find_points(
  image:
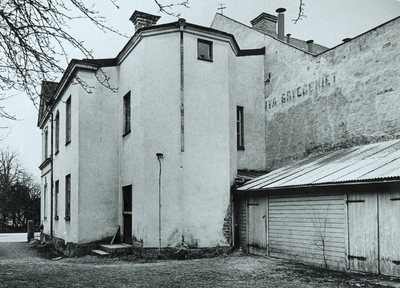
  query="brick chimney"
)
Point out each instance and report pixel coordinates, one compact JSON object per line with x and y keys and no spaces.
{"x":141,"y":19}
{"x":265,"y":23}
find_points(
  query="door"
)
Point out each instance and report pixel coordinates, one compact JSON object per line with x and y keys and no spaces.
{"x":258,"y":219}
{"x":127,"y":213}
{"x":363,"y":231}
{"x":389,"y":232}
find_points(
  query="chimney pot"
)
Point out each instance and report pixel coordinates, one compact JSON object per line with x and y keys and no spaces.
{"x":281,"y":23}
{"x":288,"y":38}
{"x":141,"y":19}
{"x":310,"y":46}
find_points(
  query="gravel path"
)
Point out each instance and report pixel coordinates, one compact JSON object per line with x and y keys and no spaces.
{"x":27,"y":265}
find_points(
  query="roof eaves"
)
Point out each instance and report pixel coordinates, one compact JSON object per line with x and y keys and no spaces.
{"x":73,"y":67}
{"x":325,"y":184}
{"x":140,"y":33}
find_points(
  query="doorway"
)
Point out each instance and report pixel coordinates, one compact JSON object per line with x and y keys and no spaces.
{"x":127,"y":213}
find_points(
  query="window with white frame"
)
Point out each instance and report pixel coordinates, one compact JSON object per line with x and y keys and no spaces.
{"x":204,"y":50}
{"x":68,"y":122}
{"x":57,"y":144}
{"x":127,"y":113}
{"x":56,"y":191}
{"x":68,"y":197}
{"x":240,"y":127}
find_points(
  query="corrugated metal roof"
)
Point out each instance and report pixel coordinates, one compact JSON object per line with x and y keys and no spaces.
{"x":249,"y":174}
{"x":368,"y":162}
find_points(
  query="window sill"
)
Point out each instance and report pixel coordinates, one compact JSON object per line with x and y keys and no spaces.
{"x":56,"y":152}
{"x":126,"y":133}
{"x":56,"y":218}
{"x":203,"y":59}
{"x":67,"y":218}
{"x":66,"y":144}
{"x":241,"y":148}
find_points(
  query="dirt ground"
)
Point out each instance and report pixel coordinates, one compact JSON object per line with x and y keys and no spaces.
{"x":30,"y":265}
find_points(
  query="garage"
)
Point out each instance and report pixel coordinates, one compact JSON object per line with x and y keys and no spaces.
{"x":339,"y":210}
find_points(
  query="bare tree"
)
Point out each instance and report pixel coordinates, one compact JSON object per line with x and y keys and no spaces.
{"x":320,"y":222}
{"x":33,"y":38}
{"x":19,"y":193}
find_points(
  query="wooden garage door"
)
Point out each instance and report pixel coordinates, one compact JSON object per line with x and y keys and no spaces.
{"x":363,"y":233}
{"x":389,"y":233}
{"x":308,"y":227}
{"x":257,"y":225}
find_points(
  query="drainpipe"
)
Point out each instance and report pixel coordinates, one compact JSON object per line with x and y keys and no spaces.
{"x":51,"y":177}
{"x":159,"y":157}
{"x":182,"y":23}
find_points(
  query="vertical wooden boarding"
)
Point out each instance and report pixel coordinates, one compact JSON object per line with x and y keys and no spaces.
{"x":308,"y":227}
{"x":241,"y":223}
{"x":389,"y":232}
{"x":257,"y":227}
{"x":363,"y":232}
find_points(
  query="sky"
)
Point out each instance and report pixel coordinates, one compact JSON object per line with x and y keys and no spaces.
{"x":327,"y":23}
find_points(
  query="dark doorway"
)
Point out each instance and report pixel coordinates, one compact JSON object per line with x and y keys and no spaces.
{"x":127,"y":213}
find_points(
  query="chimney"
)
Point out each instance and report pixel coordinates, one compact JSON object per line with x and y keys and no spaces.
{"x":281,"y":23}
{"x":265,"y":23}
{"x":288,"y":38}
{"x":141,"y":19}
{"x":310,"y":46}
{"x":346,"y":40}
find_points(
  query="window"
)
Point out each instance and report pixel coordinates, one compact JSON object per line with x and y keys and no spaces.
{"x":45,"y":199}
{"x":239,"y":128}
{"x":57,"y":131}
{"x":46,"y":143}
{"x":68,"y":197}
{"x":127,"y":113}
{"x":204,"y":50}
{"x":57,"y":189}
{"x":68,"y":122}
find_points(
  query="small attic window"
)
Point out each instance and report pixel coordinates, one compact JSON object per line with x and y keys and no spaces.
{"x":204,"y":50}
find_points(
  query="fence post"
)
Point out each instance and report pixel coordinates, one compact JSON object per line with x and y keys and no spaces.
{"x":31,"y":232}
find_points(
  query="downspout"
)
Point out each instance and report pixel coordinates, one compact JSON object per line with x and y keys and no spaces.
{"x":182,"y":22}
{"x":159,"y":157}
{"x":52,"y":176}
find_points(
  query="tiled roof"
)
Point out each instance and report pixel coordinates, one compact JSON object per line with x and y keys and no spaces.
{"x":379,"y":161}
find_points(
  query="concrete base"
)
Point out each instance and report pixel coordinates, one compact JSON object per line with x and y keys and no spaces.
{"x":116,"y":248}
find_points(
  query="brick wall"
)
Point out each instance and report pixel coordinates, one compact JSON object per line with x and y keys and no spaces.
{"x":347,"y":96}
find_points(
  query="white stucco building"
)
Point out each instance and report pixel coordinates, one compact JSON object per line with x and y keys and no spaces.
{"x":156,"y":157}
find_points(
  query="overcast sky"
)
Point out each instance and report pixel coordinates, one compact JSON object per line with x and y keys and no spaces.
{"x":327,"y":23}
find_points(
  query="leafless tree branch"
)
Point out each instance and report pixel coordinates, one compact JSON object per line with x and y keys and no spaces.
{"x":33,"y":37}
{"x":163,"y":7}
{"x":301,"y":14}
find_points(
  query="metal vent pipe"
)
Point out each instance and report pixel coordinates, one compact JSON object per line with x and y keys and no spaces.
{"x":281,"y":23}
